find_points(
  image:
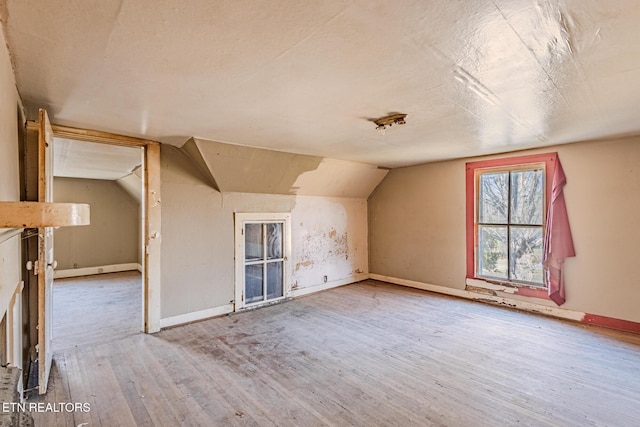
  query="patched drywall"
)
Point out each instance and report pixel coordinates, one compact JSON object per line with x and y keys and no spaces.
{"x":329,"y":237}
{"x":233,"y":168}
{"x":112,"y":238}
{"x":417,"y":225}
{"x":339,"y":178}
{"x":10,"y":116}
{"x":241,"y":169}
{"x":192,"y":149}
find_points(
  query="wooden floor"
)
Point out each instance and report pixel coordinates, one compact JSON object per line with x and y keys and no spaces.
{"x":95,"y":309}
{"x":368,"y":354}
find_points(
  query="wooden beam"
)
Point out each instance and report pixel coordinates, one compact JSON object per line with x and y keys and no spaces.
{"x":152,"y":238}
{"x":89,"y":135}
{"x":36,"y":214}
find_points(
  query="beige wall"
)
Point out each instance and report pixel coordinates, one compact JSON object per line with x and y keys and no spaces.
{"x":114,"y":234}
{"x":132,"y":185}
{"x":329,"y":237}
{"x":10,"y":250}
{"x":417,"y":225}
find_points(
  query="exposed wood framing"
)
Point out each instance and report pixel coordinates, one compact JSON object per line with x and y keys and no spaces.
{"x":151,"y":207}
{"x":152,"y":238}
{"x":35,"y":214}
{"x":97,"y":136}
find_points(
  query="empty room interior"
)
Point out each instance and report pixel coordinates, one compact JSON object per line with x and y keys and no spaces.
{"x":320,"y":213}
{"x":98,"y":287}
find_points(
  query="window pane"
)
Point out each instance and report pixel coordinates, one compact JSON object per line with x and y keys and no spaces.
{"x":253,"y":283}
{"x":252,"y":242}
{"x":527,"y":191}
{"x":526,"y":254}
{"x":274,"y":240}
{"x":493,"y":200}
{"x":492,"y":248}
{"x":274,"y":280}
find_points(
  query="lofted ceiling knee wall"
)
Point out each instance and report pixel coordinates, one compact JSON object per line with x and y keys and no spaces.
{"x":241,"y":169}
{"x":205,"y":183}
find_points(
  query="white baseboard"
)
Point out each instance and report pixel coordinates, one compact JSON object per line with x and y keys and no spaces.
{"x":487,"y":298}
{"x":521,"y":305}
{"x":324,"y":286}
{"x":226,"y":309}
{"x":89,"y":271}
{"x":195,"y":316}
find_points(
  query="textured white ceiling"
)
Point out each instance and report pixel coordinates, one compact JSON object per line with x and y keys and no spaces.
{"x":77,"y":159}
{"x":474,"y":77}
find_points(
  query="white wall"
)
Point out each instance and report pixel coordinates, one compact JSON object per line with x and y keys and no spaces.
{"x":417,"y":225}
{"x":329,"y":237}
{"x":10,"y":105}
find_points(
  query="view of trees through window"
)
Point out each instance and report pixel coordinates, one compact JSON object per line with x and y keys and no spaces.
{"x":510,"y":219}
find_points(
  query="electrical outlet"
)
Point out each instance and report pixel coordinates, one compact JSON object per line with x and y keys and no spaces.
{"x":324,"y":279}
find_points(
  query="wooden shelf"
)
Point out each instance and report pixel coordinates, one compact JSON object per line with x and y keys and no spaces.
{"x":35,"y":214}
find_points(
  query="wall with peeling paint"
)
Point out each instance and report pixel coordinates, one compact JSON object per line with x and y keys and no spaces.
{"x":417,"y":225}
{"x":329,"y":237}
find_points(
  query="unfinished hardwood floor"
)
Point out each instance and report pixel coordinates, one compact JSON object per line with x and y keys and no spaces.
{"x":95,"y":309}
{"x":368,"y":354}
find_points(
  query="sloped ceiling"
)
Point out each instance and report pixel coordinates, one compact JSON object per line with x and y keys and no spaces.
{"x":474,"y":77}
{"x":132,"y":185}
{"x":78,"y":159}
{"x":234,"y":168}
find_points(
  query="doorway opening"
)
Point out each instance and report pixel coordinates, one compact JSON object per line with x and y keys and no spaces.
{"x":97,"y":290}
{"x":38,"y":178}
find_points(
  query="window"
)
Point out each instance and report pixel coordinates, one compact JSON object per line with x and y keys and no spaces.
{"x":506,"y":209}
{"x":263,"y":261}
{"x":509,"y":210}
{"x":262,"y":250}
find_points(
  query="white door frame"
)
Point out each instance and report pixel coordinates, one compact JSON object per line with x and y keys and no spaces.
{"x":240,"y":219}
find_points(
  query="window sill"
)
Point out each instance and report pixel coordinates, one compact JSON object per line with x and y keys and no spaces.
{"x":485,"y":286}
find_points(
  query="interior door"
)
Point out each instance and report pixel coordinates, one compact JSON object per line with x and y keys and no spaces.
{"x":46,"y":262}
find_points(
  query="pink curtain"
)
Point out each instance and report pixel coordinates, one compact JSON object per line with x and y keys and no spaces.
{"x":558,"y":243}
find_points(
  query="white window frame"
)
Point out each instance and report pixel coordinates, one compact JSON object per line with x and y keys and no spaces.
{"x":242,"y":218}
